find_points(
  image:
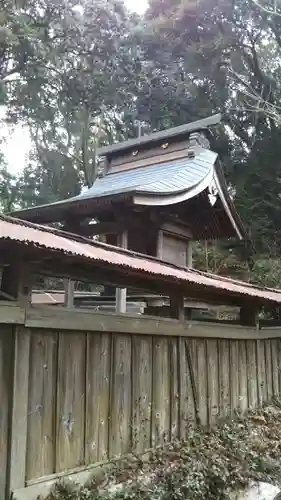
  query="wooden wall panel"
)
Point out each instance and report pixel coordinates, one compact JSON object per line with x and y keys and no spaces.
{"x":6,"y":387}
{"x":268,"y":370}
{"x":41,"y":433}
{"x":174,"y":370}
{"x":251,"y":355}
{"x":97,"y":397}
{"x":202,"y":390}
{"x":279,"y":363}
{"x":243,"y":377}
{"x":120,"y":417}
{"x":160,"y":392}
{"x":187,"y":415}
{"x":224,"y":378}
{"x":71,"y":401}
{"x":213,"y":381}
{"x":142,"y":392}
{"x":274,"y":358}
{"x":262,"y":390}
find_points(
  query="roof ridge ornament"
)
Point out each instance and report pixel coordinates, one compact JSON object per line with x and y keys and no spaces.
{"x":199,"y":139}
{"x":213,"y":192}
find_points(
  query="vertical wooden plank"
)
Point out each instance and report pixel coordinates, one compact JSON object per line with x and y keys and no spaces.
{"x":234,"y":375}
{"x":161,"y":392}
{"x":121,"y":293}
{"x":120,"y":404}
{"x":279,"y":362}
{"x":243,"y":385}
{"x":213,"y":381}
{"x":202,"y":381}
{"x":70,"y":401}
{"x":42,"y":405}
{"x":187,"y":415}
{"x":274,"y":357}
{"x":20,"y":409}
{"x":97,"y":396}
{"x":69,"y":286}
{"x":262,"y":393}
{"x":251,"y":355}
{"x":6,"y":384}
{"x":268,"y":370}
{"x":224,"y":378}
{"x":174,"y":387}
{"x":142,"y":392}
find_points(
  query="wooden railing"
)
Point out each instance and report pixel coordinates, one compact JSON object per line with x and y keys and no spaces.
{"x":80,"y":388}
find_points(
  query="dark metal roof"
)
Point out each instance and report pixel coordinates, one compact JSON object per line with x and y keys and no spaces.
{"x":164,"y":178}
{"x":190,"y":280}
{"x":160,"y":136}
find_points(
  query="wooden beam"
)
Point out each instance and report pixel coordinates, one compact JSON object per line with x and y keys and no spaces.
{"x":121,"y":293}
{"x":56,"y":318}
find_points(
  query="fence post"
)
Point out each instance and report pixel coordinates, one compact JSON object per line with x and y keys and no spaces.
{"x":17,"y":460}
{"x":17,"y":282}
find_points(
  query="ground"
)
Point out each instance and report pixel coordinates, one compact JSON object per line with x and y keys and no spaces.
{"x":209,"y":465}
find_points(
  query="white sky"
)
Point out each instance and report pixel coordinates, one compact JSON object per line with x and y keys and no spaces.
{"x":17,"y":142}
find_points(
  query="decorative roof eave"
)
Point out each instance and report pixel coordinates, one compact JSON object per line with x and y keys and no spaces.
{"x":54,"y":212}
{"x":155,"y":199}
{"x":155,"y":137}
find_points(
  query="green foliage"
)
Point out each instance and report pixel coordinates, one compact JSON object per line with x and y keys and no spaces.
{"x":210,"y":465}
{"x":77,"y":83}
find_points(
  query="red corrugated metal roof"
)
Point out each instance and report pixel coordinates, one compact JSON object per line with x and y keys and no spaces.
{"x":48,"y":238}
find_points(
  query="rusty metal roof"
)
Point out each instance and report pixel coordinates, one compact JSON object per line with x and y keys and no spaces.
{"x":43,"y":237}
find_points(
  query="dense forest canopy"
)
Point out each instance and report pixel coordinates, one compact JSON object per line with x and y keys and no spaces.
{"x":83,"y":74}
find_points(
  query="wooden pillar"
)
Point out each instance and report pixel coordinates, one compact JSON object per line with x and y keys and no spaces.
{"x":160,"y":244}
{"x":249,"y":315}
{"x":69,"y":293}
{"x":121,"y":293}
{"x":177,"y":307}
{"x":17,"y":459}
{"x":189,"y":255}
{"x":17,"y":282}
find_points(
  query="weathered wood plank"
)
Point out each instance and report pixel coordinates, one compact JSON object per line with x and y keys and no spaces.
{"x":11,"y":313}
{"x":262,"y":394}
{"x":142,"y":392}
{"x":274,"y":357}
{"x":70,"y":401}
{"x":224,"y":378}
{"x":268,"y":370}
{"x":251,"y":355}
{"x":20,"y":408}
{"x":120,"y":441}
{"x":234,"y":375}
{"x":6,"y":383}
{"x":41,"y":405}
{"x":161,"y":392}
{"x":186,"y":409}
{"x":85,"y":320}
{"x":97,"y":397}
{"x":242,"y":376}
{"x":213,"y":381}
{"x":279,"y":363}
{"x":174,"y":371}
{"x":202,"y":381}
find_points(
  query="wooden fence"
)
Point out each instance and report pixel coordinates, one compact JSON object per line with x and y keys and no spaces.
{"x":80,"y":388}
